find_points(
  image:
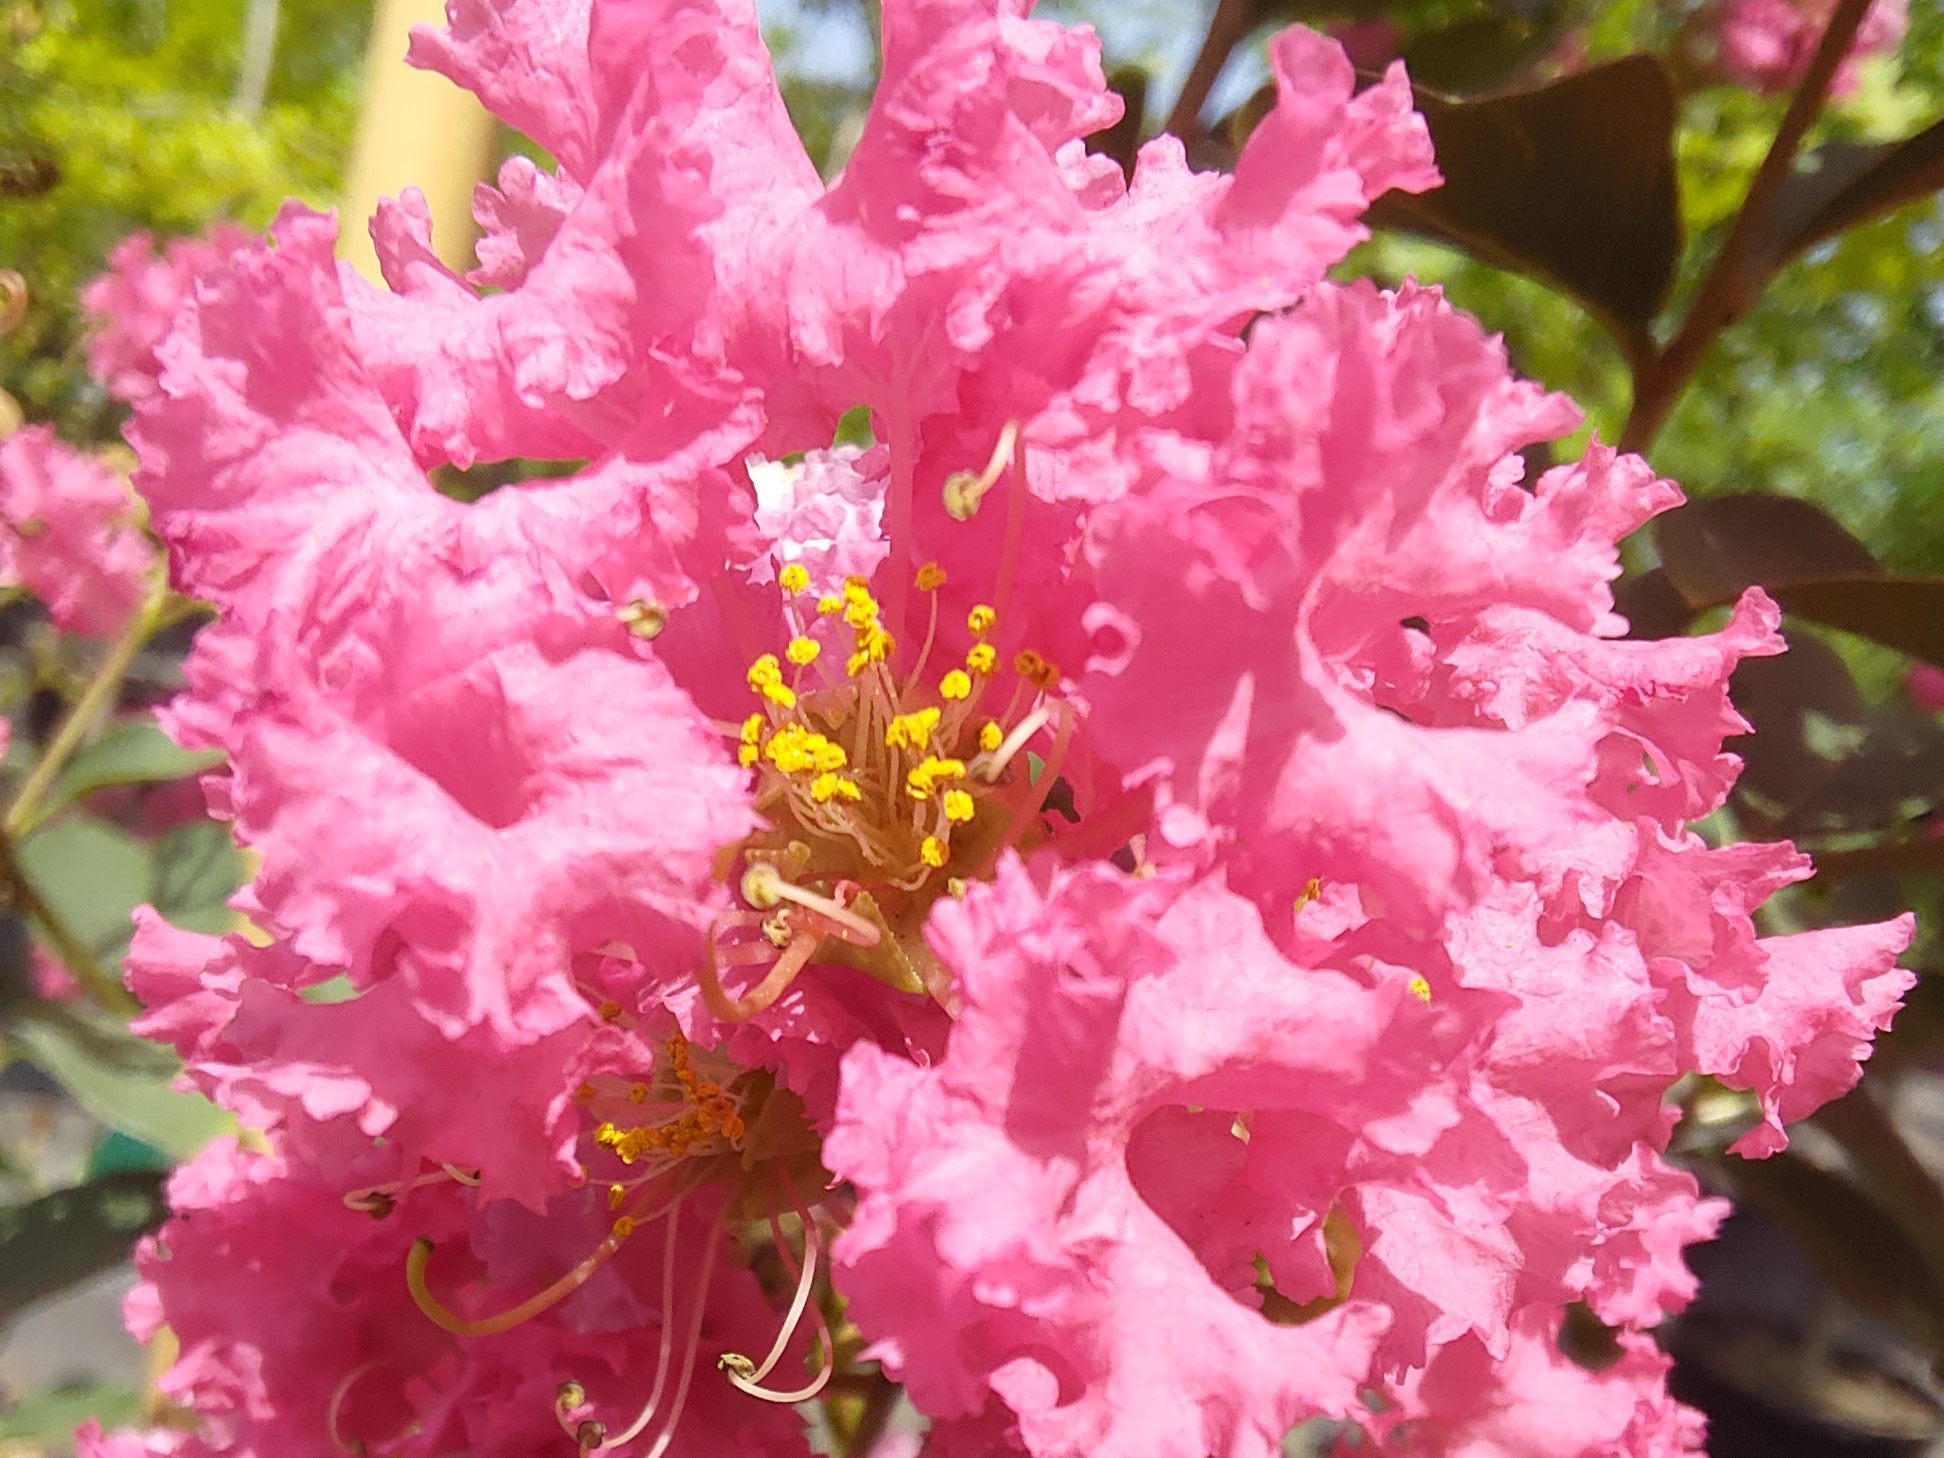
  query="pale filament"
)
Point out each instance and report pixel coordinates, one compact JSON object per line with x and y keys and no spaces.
{"x":808,"y":929}
{"x":373,"y":1197}
{"x":667,"y":1341}
{"x":738,"y":1368}
{"x":334,"y":1411}
{"x":763,"y":887}
{"x":642,"y":1419}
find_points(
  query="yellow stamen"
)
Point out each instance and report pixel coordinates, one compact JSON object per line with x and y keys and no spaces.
{"x":931,"y":577}
{"x":643,"y":619}
{"x":1036,"y":670}
{"x":911,"y":731}
{"x":829,"y":607}
{"x":958,"y":806}
{"x":827,"y":787}
{"x":932,"y":852}
{"x":982,"y":658}
{"x":981,"y":619}
{"x":1420,"y":989}
{"x":927,"y":776}
{"x":802,"y":651}
{"x":955,"y":685}
{"x":794,"y":578}
{"x":991,"y":736}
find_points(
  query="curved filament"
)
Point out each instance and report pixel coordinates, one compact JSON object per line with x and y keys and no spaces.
{"x":442,"y":1316}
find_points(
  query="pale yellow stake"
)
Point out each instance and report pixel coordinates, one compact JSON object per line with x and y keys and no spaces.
{"x":415,"y":129}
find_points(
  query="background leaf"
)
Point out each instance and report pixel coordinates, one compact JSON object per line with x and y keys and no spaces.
{"x":65,"y":1237}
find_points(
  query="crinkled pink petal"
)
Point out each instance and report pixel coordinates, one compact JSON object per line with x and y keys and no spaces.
{"x":68,"y":534}
{"x":133,"y":305}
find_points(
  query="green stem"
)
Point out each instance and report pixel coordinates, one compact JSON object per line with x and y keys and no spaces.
{"x":101,"y":693}
{"x":1731,"y":285}
{"x":106,"y":991}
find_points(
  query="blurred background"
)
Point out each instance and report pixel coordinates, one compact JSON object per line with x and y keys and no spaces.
{"x":1784,"y":362}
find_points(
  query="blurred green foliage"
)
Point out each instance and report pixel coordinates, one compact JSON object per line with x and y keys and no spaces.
{"x":118,"y":115}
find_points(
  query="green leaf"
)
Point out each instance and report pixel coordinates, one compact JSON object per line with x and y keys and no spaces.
{"x":193,"y":871}
{"x":1572,"y":183}
{"x":60,"y":1239}
{"x":132,"y":752}
{"x":48,"y":1419}
{"x":119,"y":1078}
{"x":93,"y":875}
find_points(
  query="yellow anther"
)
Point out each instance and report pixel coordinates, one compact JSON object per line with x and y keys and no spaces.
{"x":931,"y":577}
{"x":981,"y":619}
{"x":624,"y":1226}
{"x":747,"y":755}
{"x":781,"y":695}
{"x":991,"y":736}
{"x":609,"y":1010}
{"x":617,"y":1196}
{"x":752,"y":729}
{"x":1036,"y":670}
{"x":927,"y":777}
{"x":794,"y":578}
{"x":802,"y":651}
{"x":932,"y":852}
{"x":765,"y":670}
{"x":829,"y":607}
{"x":1420,"y":989}
{"x":796,"y":750}
{"x":911,"y":731}
{"x":958,"y":806}
{"x":955,"y":685}
{"x":874,"y":645}
{"x":827,"y":787}
{"x":982,"y":658}
{"x":638,"y":1094}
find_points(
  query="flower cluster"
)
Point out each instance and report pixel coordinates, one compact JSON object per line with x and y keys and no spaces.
{"x":1766,"y":45}
{"x":1147,"y":904}
{"x":70,"y":534}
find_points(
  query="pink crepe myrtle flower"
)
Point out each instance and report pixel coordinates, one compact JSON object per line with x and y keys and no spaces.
{"x":70,"y":534}
{"x":1158,"y":884}
{"x":133,"y":304}
{"x":1766,"y":45}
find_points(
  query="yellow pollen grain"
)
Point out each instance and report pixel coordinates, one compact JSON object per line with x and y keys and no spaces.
{"x":991,"y":736}
{"x":982,"y":658}
{"x":958,"y":806}
{"x":955,"y":685}
{"x":981,"y":619}
{"x":931,"y":577}
{"x":911,"y":731}
{"x":1420,"y":989}
{"x":802,"y":651}
{"x":874,"y":645}
{"x":932,"y":852}
{"x":793,"y":578}
{"x":926,"y":778}
{"x":827,"y":787}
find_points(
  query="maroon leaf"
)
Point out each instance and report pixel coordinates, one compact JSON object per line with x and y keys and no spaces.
{"x":1572,"y":183}
{"x":1906,"y":613}
{"x":1844,"y":185}
{"x":1807,"y":716}
{"x":1714,"y":549}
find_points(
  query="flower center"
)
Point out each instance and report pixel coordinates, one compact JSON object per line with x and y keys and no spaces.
{"x":883,"y":789}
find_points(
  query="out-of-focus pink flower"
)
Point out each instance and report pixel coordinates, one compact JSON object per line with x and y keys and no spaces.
{"x":1766,"y":45}
{"x":1158,"y":883}
{"x":69,"y":534}
{"x":134,"y":303}
{"x":52,"y":980}
{"x":1924,"y":682}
